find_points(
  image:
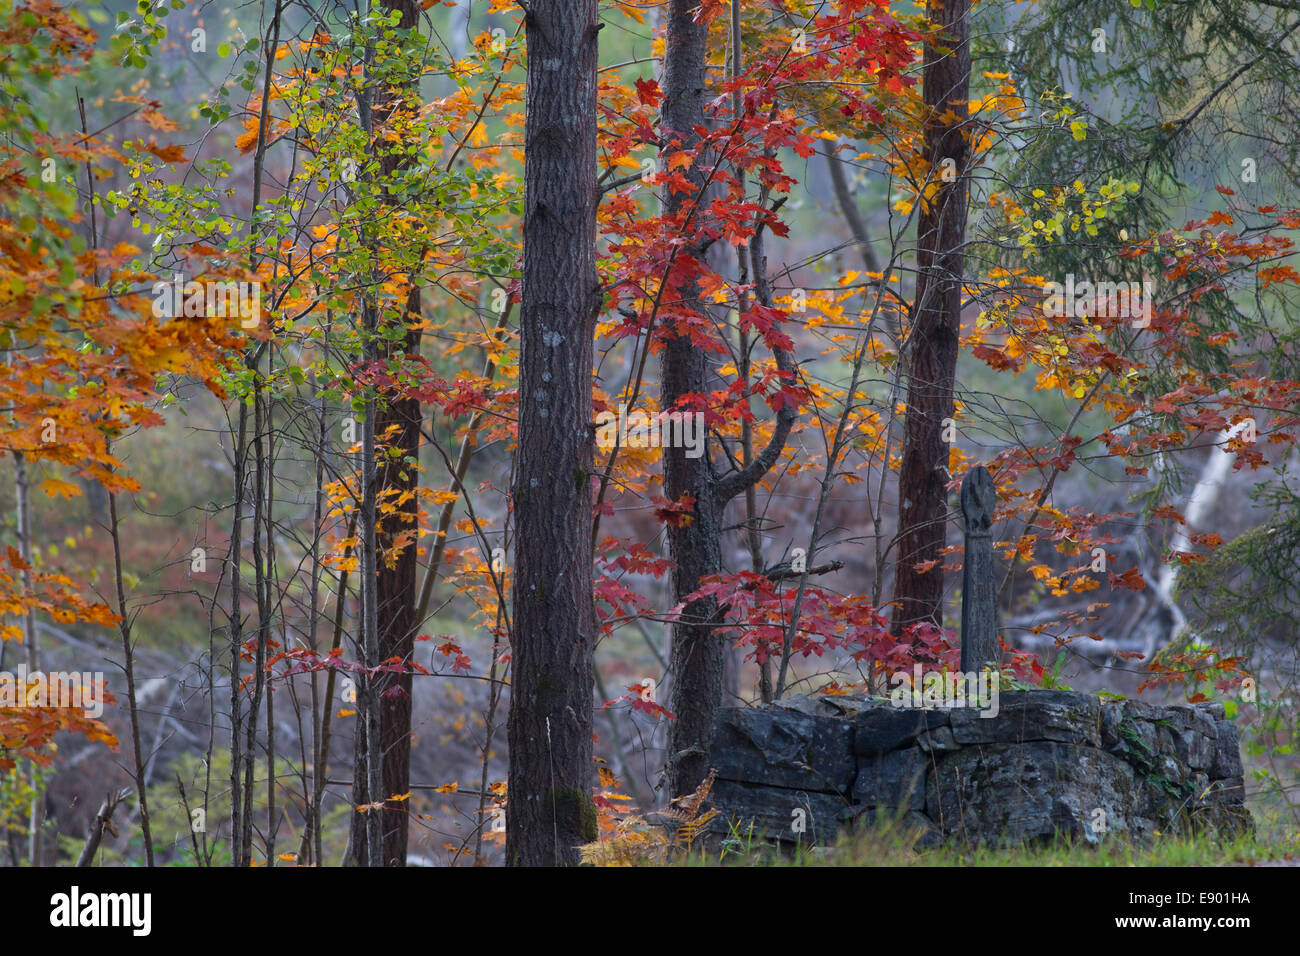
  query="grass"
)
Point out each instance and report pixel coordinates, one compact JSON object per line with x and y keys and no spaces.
{"x":889,"y":844}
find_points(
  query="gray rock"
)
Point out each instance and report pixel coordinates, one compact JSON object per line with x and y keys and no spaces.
{"x":1227,"y":756}
{"x":1137,"y":735}
{"x":849,"y":705}
{"x":808,"y":704}
{"x":783,"y":749}
{"x":1060,"y":716}
{"x":1169,"y":768}
{"x":1010,"y":794}
{"x":777,"y":814}
{"x":1230,"y":791}
{"x":1180,"y":716}
{"x":1140,"y":710}
{"x":1050,"y":764}
{"x":887,"y":727}
{"x":1108,"y":728}
{"x":894,"y":779}
{"x":1213,"y":709}
{"x":940,"y":739}
{"x":1195,"y":749}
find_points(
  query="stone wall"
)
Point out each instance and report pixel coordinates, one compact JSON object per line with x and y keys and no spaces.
{"x":1049,"y":764}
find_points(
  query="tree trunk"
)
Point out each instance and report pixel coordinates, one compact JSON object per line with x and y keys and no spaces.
{"x":23,"y":506}
{"x":396,"y":583}
{"x":550,"y":810}
{"x":697,"y":656}
{"x":935,"y":326}
{"x":396,"y":586}
{"x":368,"y":841}
{"x":395,"y":591}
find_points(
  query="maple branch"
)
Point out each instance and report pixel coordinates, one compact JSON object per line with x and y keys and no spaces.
{"x":84,"y":138}
{"x":747,"y":477}
{"x":630,"y":178}
{"x":785,"y":572}
{"x":487,"y":100}
{"x":474,"y":521}
{"x":738,"y":481}
{"x":833,"y":451}
{"x":1049,"y":484}
{"x":463,"y":456}
{"x":654,"y":317}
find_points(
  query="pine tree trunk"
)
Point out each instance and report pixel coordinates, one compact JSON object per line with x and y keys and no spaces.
{"x":550,"y":810}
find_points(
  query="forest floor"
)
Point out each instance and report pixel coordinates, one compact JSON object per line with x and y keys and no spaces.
{"x":887,"y":846}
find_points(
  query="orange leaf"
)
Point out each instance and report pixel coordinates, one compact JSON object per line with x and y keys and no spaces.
{"x":55,"y":488}
{"x":680,"y":160}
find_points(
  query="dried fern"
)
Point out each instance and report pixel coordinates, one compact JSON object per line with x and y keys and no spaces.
{"x":639,"y":842}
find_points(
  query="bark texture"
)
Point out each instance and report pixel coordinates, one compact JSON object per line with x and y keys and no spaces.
{"x":697,"y":659}
{"x":935,"y":324}
{"x":395,"y":588}
{"x":397,"y":426}
{"x":550,"y":811}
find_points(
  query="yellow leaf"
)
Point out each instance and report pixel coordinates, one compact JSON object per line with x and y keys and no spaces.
{"x":631,"y":11}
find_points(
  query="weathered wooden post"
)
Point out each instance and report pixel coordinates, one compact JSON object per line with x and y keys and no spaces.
{"x":979,"y":612}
